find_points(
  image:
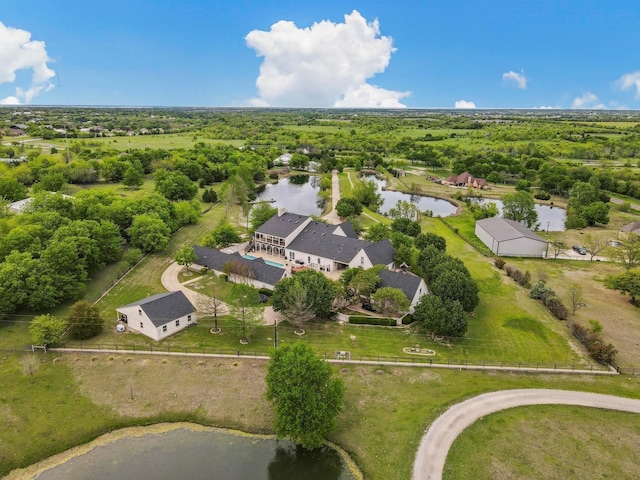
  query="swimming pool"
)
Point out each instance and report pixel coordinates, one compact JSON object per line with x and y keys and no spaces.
{"x":268,"y":262}
{"x":273,"y":264}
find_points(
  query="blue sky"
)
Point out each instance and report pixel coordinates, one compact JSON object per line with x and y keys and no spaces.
{"x":322,"y":53}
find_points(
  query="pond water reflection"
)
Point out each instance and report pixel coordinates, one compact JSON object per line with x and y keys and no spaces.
{"x":297,"y":193}
{"x":186,"y":454}
{"x":439,"y":207}
{"x":549,"y":216}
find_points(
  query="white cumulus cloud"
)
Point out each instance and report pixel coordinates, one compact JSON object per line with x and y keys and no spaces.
{"x":630,"y":81}
{"x":518,"y":79}
{"x":589,"y":101}
{"x":19,"y":52}
{"x":464,"y":104}
{"x":325,"y":65}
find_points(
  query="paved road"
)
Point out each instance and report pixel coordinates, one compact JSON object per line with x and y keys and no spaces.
{"x":332,"y":217}
{"x":170,"y":281}
{"x":435,"y":445}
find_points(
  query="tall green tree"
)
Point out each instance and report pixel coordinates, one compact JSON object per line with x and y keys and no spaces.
{"x":317,"y":289}
{"x":520,"y":206}
{"x":390,"y":301}
{"x":47,"y":329}
{"x":149,"y":233}
{"x":260,"y":213}
{"x":348,"y":207}
{"x":244,"y":306}
{"x":133,"y":177}
{"x":628,"y":282}
{"x":454,"y":285}
{"x":84,"y":320}
{"x":186,"y":256}
{"x":306,"y":394}
{"x":441,"y":317}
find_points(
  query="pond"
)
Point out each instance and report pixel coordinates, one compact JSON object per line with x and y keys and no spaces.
{"x":548,"y":215}
{"x":194,"y":452}
{"x":439,"y":207}
{"x":297,"y":193}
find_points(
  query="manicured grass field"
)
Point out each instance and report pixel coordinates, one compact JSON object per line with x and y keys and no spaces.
{"x":507,"y":324}
{"x":550,"y":441}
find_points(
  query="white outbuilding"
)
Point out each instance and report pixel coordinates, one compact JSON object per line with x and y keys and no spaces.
{"x":508,"y":238}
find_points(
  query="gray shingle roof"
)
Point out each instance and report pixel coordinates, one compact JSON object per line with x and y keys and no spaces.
{"x":380,"y":253}
{"x":348,"y":230}
{"x":407,"y":282}
{"x":317,"y":238}
{"x":633,"y":227}
{"x":503,"y":229}
{"x":164,"y":307}
{"x":215,"y":260}
{"x":283,"y":225}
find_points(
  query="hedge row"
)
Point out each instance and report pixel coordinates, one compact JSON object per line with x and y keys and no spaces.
{"x":364,"y":320}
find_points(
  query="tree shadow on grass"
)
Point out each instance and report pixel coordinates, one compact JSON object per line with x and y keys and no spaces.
{"x":526,"y":324}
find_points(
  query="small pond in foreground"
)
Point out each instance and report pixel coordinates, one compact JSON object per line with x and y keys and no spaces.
{"x":297,"y":193}
{"x":439,"y":207}
{"x":187,"y":453}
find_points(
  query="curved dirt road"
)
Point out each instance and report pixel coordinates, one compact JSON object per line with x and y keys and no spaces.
{"x":435,"y":445}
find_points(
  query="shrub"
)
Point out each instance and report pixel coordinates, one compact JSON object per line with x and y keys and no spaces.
{"x":538,"y":290}
{"x":542,"y":195}
{"x":557,"y":308}
{"x":604,"y":353}
{"x":407,"y":320}
{"x":547,"y":294}
{"x":523,"y":279}
{"x":499,"y":263}
{"x":132,"y":256}
{"x":601,"y":352}
{"x":273,"y":175}
{"x":364,"y":320}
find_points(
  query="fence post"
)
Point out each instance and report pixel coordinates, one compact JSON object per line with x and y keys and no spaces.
{"x":431,"y":361}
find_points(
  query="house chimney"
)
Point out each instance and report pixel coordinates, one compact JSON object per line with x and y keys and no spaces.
{"x":282,"y":211}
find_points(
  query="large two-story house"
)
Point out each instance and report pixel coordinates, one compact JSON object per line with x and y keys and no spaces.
{"x":324,"y":247}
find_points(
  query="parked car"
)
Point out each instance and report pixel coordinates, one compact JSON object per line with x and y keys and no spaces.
{"x":580,"y":250}
{"x":367,"y":306}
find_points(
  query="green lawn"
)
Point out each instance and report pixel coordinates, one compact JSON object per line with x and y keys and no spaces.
{"x":549,"y":441}
{"x":507,"y":324}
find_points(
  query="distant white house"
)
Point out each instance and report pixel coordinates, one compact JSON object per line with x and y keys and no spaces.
{"x":19,"y":206}
{"x":283,"y":159}
{"x":158,"y":316}
{"x":508,"y":238}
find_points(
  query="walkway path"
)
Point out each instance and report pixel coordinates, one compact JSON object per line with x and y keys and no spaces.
{"x":435,"y":445}
{"x":202,"y":302}
{"x":332,"y":217}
